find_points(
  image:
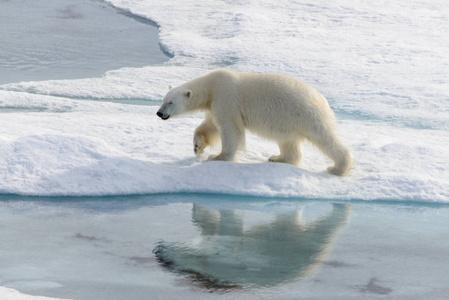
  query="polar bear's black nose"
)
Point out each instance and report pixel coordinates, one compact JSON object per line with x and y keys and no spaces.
{"x":162,"y":116}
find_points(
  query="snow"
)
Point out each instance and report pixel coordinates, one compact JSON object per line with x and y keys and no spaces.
{"x":382,"y":66}
{"x":54,"y":146}
{"x":11,"y":294}
{"x":382,"y":78}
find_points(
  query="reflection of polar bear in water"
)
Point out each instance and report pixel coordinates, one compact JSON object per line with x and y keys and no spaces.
{"x":275,"y":107}
{"x":265,"y":255}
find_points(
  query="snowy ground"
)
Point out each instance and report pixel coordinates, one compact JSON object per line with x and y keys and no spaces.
{"x":381,"y":65}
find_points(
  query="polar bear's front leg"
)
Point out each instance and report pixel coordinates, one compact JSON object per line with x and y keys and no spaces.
{"x":232,"y":138}
{"x":199,"y":144}
{"x":205,"y":135}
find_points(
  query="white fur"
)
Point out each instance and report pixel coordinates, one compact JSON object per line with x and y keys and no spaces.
{"x":275,"y":107}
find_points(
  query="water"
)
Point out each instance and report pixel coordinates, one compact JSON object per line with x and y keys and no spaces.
{"x":68,"y":39}
{"x":196,"y":246}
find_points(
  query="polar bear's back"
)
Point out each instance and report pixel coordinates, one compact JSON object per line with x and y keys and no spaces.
{"x":273,"y":105}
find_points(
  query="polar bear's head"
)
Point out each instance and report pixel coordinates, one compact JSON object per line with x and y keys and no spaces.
{"x":175,"y":102}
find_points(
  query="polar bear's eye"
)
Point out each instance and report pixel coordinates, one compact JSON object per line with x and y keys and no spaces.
{"x":170,"y":103}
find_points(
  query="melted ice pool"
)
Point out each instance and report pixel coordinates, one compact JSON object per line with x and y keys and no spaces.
{"x":192,"y":246}
{"x":67,"y":39}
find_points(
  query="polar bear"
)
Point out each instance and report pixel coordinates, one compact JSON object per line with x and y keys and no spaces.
{"x":229,"y":255}
{"x":272,"y":106}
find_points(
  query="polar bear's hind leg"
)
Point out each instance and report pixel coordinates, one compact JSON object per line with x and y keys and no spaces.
{"x":291,"y":153}
{"x":331,"y":145}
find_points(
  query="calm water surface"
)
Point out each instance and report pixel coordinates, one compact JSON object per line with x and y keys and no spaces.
{"x":203,"y":246}
{"x":69,"y":39}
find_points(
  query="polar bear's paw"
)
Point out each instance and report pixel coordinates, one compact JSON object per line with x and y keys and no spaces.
{"x":276,"y":158}
{"x":292,"y":160}
{"x":337,"y":171}
{"x":199,"y":144}
{"x":221,"y":157}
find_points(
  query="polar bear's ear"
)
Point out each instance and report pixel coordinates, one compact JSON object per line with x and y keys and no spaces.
{"x":188,"y":94}
{"x":169,"y":87}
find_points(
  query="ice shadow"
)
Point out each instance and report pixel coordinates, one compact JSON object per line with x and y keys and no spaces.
{"x":228,"y":257}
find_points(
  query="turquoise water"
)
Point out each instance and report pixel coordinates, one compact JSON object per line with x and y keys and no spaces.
{"x":195,"y":246}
